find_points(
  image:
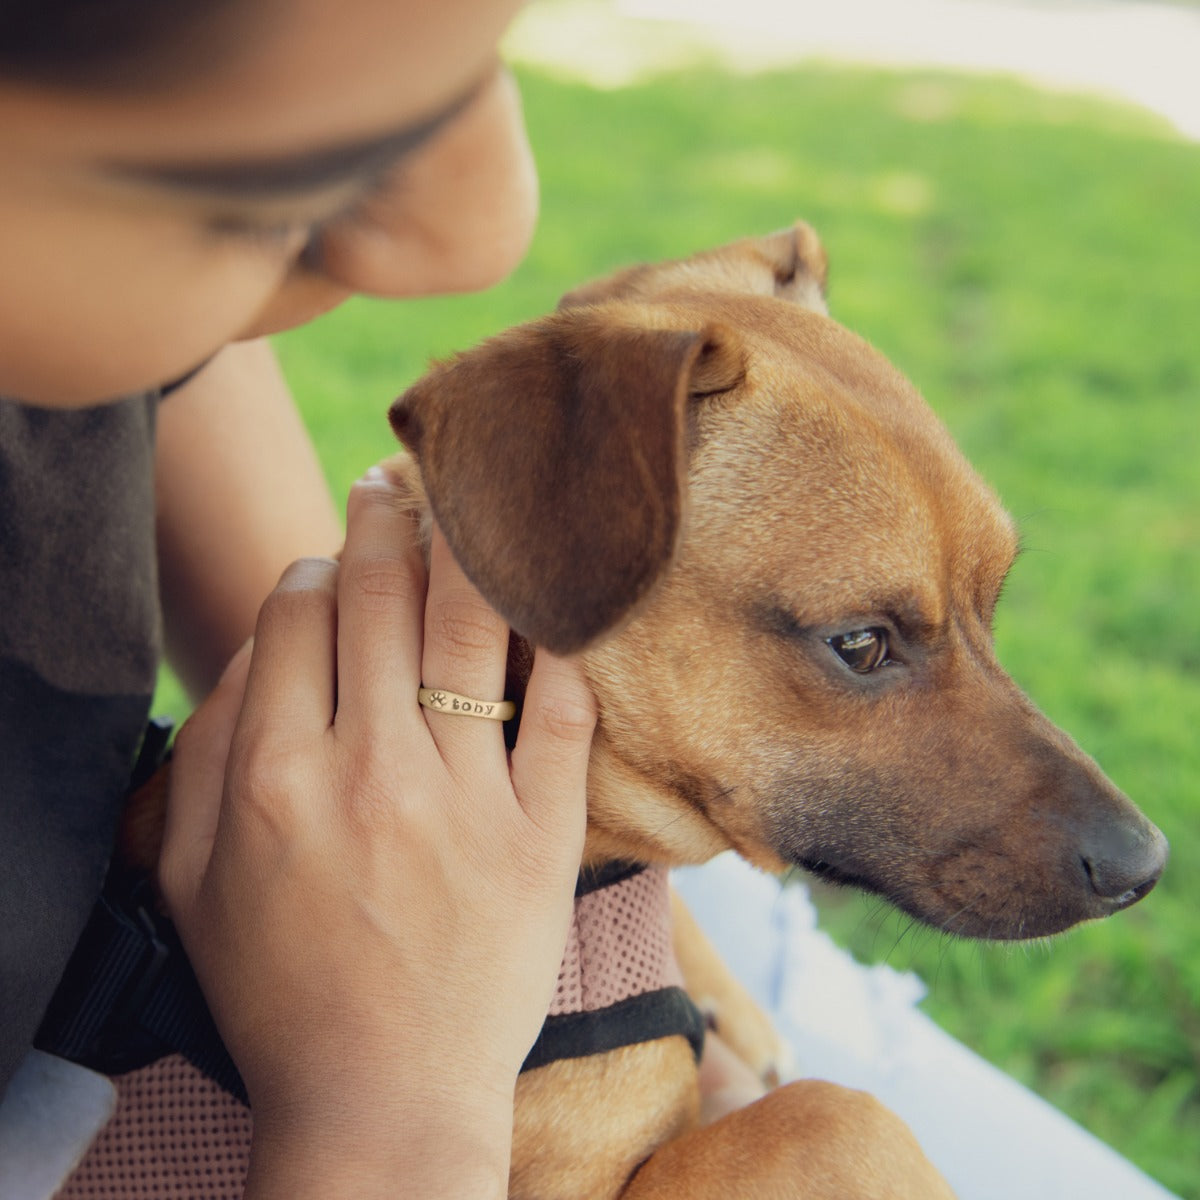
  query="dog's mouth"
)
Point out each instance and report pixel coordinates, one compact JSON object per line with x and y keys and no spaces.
{"x":985,"y":880}
{"x":962,"y":923}
{"x":836,"y":876}
{"x":972,"y":901}
{"x":958,"y":916}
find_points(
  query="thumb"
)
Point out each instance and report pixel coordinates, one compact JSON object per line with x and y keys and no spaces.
{"x":198,"y":783}
{"x":550,"y":759}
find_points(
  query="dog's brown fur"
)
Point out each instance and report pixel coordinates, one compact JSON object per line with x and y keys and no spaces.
{"x":695,"y":478}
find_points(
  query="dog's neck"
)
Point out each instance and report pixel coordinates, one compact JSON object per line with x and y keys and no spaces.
{"x":652,"y":830}
{"x":647,"y":832}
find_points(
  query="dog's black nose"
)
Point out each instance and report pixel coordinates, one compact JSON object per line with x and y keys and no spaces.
{"x":1123,"y":862}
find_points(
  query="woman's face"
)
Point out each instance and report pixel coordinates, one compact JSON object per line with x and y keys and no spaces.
{"x":348,"y":146}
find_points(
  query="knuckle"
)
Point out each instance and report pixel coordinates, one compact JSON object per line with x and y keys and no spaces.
{"x":564,"y":718}
{"x":265,"y":769}
{"x":379,"y":582}
{"x":304,"y":593}
{"x":264,"y":783}
{"x":464,"y":626}
{"x":308,"y":574}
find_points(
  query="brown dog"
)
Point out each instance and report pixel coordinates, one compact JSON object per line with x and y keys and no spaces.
{"x":811,"y":567}
{"x":781,"y":574}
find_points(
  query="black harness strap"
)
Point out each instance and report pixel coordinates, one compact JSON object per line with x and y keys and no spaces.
{"x":129,"y":996}
{"x":668,"y":1012}
{"x":664,"y":1012}
{"x":594,"y":879}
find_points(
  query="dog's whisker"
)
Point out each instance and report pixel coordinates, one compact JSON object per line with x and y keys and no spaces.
{"x":910,"y":925}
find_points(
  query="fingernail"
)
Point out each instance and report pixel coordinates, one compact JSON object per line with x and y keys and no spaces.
{"x":374,"y":474}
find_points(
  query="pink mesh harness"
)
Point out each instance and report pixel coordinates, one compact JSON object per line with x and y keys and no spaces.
{"x":177,"y":1135}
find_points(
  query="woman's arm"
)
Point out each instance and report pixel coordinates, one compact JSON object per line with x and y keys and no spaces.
{"x":240,"y":495}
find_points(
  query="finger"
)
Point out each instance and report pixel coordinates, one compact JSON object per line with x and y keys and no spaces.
{"x":550,"y":759}
{"x":465,"y":652}
{"x":381,"y":602}
{"x":290,"y":688}
{"x":198,"y":781}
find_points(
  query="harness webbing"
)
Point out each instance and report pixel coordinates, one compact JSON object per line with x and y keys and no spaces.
{"x":129,"y":996}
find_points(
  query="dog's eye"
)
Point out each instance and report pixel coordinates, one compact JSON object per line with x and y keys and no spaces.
{"x":863,"y":651}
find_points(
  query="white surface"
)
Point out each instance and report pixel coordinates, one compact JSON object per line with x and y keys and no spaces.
{"x":1142,"y":52}
{"x":51,"y":1112}
{"x":992,"y":1138}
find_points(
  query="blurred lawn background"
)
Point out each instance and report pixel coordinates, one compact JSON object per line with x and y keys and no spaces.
{"x":1032,"y":262}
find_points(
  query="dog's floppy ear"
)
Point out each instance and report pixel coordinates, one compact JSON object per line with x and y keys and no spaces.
{"x":791,"y":264}
{"x":554,"y":458}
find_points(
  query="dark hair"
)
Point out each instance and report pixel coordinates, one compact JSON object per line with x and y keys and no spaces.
{"x":114,"y":45}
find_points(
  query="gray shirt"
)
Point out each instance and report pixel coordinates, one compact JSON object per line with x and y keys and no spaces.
{"x":80,"y":639}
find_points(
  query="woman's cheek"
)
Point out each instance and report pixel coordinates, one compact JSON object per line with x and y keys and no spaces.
{"x":94,"y":310}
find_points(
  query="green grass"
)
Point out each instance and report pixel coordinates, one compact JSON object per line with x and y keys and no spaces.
{"x":1031,"y":262}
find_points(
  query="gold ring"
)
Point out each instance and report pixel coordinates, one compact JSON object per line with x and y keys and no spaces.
{"x":437,"y":700}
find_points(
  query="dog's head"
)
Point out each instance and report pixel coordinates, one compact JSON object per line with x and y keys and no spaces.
{"x":782,"y":574}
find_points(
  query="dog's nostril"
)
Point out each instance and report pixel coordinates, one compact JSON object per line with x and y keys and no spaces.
{"x":1118,"y":899}
{"x":1087,"y":870}
{"x":1125,"y":874}
{"x":1135,"y":894}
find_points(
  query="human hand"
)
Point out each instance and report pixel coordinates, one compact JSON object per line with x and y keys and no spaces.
{"x":374,"y":898}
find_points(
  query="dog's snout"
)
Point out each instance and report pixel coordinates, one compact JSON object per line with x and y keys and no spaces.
{"x":1123,"y":862}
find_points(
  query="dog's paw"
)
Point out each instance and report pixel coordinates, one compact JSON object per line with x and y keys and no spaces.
{"x":749,"y":1033}
{"x":728,"y":1008}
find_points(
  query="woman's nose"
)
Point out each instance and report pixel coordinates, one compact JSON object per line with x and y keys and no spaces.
{"x":457,"y":217}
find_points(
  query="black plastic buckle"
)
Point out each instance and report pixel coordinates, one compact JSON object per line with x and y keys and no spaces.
{"x":123,"y":1021}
